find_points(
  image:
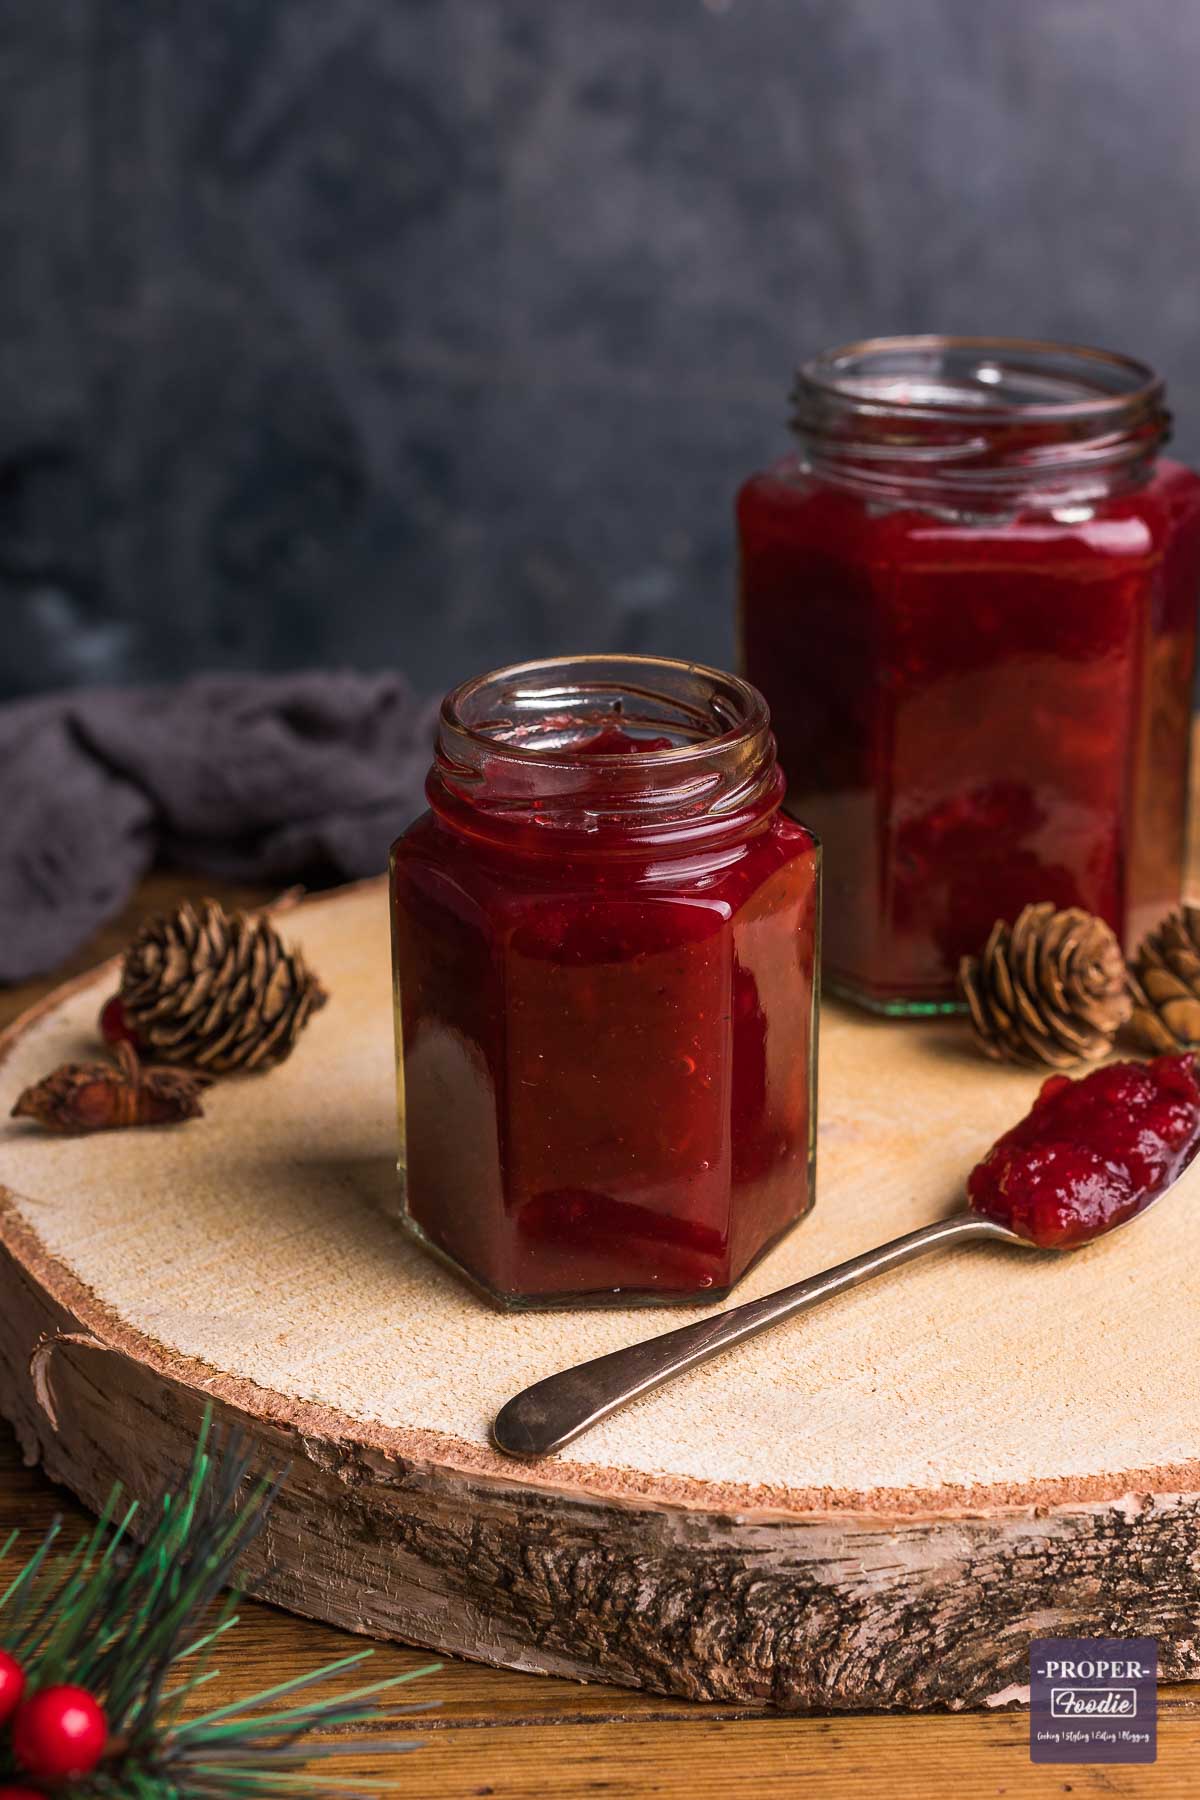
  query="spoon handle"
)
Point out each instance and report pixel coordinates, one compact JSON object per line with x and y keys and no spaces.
{"x":552,"y":1412}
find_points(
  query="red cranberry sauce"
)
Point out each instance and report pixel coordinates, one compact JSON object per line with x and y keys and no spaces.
{"x":614,"y":740}
{"x":1091,"y":1153}
{"x":606,"y":1024}
{"x":973,"y":716}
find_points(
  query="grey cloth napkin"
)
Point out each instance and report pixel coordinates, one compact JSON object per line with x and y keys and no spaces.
{"x":269,"y":778}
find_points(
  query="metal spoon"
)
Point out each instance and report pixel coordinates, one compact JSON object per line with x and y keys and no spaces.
{"x":552,"y":1412}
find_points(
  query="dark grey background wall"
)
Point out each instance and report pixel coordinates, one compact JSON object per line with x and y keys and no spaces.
{"x":436,"y":332}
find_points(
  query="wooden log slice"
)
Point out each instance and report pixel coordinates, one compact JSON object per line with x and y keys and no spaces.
{"x":875,"y":1506}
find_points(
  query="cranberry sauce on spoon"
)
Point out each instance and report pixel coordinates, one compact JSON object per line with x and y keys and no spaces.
{"x":1091,"y":1153}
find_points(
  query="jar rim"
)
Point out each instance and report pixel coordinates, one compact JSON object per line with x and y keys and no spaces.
{"x":974,"y":426}
{"x":828,"y":375}
{"x":540,"y":797}
{"x":754,"y":717}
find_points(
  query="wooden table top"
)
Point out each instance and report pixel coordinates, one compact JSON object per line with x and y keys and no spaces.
{"x":495,"y":1732}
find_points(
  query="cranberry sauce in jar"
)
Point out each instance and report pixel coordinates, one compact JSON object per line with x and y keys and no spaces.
{"x":970,"y":601}
{"x":604,"y":937}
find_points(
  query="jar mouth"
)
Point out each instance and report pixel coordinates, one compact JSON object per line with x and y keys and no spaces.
{"x":952,"y":377}
{"x":522,"y":756}
{"x":934,"y":417}
{"x":557,"y":700}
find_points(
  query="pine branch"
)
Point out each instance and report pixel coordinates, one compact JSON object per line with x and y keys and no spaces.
{"x":134,"y":1625}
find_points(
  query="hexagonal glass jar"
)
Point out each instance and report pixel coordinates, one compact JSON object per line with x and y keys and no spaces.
{"x":605,"y":936}
{"x":970,"y":600}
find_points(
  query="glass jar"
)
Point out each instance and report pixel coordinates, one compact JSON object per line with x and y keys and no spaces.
{"x":604,"y":935}
{"x":970,"y":602}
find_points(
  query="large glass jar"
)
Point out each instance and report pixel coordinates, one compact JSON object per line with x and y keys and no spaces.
{"x":970,"y":601}
{"x":604,"y":937}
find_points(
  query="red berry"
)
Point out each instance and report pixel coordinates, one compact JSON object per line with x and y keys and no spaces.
{"x":12,"y":1685}
{"x":59,"y":1734}
{"x":114,"y":1026}
{"x":21,"y":1793}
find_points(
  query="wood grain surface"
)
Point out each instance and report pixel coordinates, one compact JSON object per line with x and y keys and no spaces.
{"x":510,"y":1735}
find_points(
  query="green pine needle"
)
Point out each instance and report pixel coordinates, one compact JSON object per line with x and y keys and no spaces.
{"x":120,"y":1618}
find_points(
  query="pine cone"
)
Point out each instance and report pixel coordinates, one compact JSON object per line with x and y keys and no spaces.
{"x":1166,"y":986}
{"x":216,"y":990}
{"x":1050,"y":990}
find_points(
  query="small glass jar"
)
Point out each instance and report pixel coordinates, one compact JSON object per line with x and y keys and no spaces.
{"x":604,"y":935}
{"x":970,"y":601}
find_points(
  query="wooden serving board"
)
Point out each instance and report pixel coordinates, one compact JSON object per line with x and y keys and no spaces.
{"x":875,"y":1506}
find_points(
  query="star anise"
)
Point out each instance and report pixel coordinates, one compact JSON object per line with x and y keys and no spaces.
{"x":105,"y":1096}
